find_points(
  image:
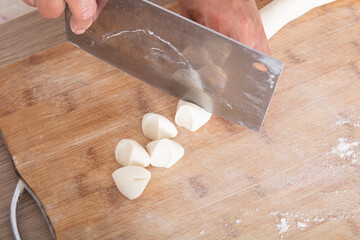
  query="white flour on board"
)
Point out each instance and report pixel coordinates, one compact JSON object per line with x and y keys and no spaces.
{"x":342,"y":122}
{"x":317,"y":220}
{"x":304,"y":220}
{"x":284,"y":226}
{"x":346,"y":121}
{"x":301,"y":225}
{"x":346,"y":149}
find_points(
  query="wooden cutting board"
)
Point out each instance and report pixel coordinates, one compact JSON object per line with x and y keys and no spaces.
{"x":63,"y":111}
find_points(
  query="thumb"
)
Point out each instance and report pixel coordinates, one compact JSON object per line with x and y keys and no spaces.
{"x":83,"y":13}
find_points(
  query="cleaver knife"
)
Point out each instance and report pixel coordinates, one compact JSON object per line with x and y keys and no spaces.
{"x":183,"y":58}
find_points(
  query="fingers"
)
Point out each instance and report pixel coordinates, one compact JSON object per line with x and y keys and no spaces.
{"x":258,"y":43}
{"x":31,"y":3}
{"x":252,"y":35}
{"x":263,"y":47}
{"x":244,"y":35}
{"x":185,"y":14}
{"x":183,"y":10}
{"x":50,"y":9}
{"x":83,"y":11}
{"x":83,"y":14}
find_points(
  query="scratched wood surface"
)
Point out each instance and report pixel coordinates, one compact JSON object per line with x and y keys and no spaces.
{"x":28,"y":34}
{"x":63,"y":111}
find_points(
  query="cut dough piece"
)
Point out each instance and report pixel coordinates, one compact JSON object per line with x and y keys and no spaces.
{"x":278,"y":13}
{"x":131,"y":180}
{"x":130,"y":153}
{"x":164,"y":152}
{"x":156,"y":126}
{"x":191,"y":116}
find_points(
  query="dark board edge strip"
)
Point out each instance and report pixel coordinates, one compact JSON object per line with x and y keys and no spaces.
{"x":30,"y":191}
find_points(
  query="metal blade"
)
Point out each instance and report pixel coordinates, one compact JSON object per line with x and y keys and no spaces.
{"x":183,"y":58}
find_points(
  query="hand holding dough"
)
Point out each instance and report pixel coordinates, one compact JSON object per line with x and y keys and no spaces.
{"x":164,"y":152}
{"x":278,"y":13}
{"x":130,"y":153}
{"x":156,"y":126}
{"x":131,"y":180}
{"x":191,"y":116}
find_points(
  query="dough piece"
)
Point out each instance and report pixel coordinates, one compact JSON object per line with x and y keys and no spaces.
{"x":130,"y":153}
{"x":164,"y":152}
{"x":191,"y":116}
{"x":156,"y":126}
{"x":278,"y":13}
{"x":131,"y":180}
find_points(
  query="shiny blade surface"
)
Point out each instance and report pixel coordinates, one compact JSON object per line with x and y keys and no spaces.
{"x":183,"y":58}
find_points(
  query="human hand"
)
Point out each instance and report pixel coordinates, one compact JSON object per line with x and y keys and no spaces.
{"x":237,"y":19}
{"x":84,"y":12}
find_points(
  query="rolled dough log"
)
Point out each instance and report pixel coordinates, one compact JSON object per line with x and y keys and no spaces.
{"x":278,"y":13}
{"x":130,"y":153}
{"x":191,"y":116}
{"x":131,"y":180}
{"x":165,"y":152}
{"x":156,"y":126}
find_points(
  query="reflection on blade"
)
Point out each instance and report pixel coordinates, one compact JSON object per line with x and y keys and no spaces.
{"x":183,"y":58}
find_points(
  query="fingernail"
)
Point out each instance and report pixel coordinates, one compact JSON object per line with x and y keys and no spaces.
{"x":80,"y":31}
{"x":77,"y":30}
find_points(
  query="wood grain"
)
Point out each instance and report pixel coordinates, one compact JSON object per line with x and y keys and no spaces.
{"x":31,"y":222}
{"x":64,"y":120}
{"x":29,"y":34}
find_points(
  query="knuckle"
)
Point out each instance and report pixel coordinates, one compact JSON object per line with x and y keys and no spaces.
{"x":52,"y":14}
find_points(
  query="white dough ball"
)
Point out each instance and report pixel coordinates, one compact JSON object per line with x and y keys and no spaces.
{"x":191,"y":116}
{"x":164,"y":152}
{"x":130,"y":153}
{"x":156,"y":126}
{"x":131,"y":180}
